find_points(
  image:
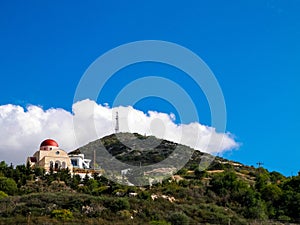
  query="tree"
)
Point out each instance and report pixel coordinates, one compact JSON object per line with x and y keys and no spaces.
{"x":223,"y":183}
{"x":91,"y":184}
{"x":86,"y":179}
{"x":8,"y":185}
{"x":38,"y":171}
{"x":200,"y":173}
{"x":119,"y":204}
{"x":145,"y":195}
{"x":276,"y":177}
{"x":262,"y":179}
{"x":75,"y":181}
{"x":257,"y":211}
{"x":271,"y":193}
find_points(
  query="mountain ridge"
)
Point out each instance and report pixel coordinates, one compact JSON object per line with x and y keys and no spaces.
{"x":142,"y":155}
{"x":124,"y":145}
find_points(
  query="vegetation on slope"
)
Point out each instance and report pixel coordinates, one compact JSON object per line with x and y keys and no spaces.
{"x":225,"y":193}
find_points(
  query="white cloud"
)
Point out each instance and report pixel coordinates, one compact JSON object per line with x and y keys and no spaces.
{"x":22,"y":130}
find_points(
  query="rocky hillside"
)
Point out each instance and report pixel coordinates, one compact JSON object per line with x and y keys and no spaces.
{"x":144,"y":154}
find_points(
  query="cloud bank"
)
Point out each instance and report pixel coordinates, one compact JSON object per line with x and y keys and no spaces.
{"x":23,"y":129}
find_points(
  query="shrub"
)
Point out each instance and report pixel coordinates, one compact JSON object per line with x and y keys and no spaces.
{"x":124,"y":214}
{"x":178,"y":218}
{"x":62,"y":214}
{"x":159,"y":222}
{"x":284,"y":218}
{"x":145,"y":195}
{"x":3,"y":194}
{"x":8,"y":185}
{"x":119,"y":204}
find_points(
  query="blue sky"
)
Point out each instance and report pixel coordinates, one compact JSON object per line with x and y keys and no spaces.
{"x":252,"y":47}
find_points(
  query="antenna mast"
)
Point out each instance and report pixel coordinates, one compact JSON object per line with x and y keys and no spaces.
{"x":117,"y":123}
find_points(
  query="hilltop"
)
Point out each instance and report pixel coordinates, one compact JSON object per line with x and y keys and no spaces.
{"x":226,"y":192}
{"x":133,"y":149}
{"x":149,"y":153}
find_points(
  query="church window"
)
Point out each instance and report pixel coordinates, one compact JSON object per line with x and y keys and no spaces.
{"x":57,"y":165}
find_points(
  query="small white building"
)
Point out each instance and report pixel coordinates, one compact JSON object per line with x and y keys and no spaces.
{"x":78,"y":161}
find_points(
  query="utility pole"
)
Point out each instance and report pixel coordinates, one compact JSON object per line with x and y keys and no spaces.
{"x":94,"y":159}
{"x":28,"y":218}
{"x":117,"y":123}
{"x":260,"y":164}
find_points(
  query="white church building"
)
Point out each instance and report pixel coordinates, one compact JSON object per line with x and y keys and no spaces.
{"x":50,"y":156}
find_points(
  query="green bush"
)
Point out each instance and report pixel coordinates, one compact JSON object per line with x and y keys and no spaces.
{"x":124,"y":214}
{"x":178,"y":218}
{"x":145,"y":195}
{"x":62,"y":214}
{"x":284,"y":218}
{"x":3,"y":194}
{"x":118,"y":204}
{"x":8,"y":185}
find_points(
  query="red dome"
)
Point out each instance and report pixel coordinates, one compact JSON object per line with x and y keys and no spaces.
{"x":49,"y":142}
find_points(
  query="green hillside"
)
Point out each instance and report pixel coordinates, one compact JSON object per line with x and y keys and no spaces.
{"x":225,"y":193}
